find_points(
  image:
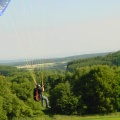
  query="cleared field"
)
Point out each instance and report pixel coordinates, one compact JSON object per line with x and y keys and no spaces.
{"x":44,"y":65}
{"x":35,"y":66}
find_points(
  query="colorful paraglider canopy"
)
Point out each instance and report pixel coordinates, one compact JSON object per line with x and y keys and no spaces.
{"x":3,"y":5}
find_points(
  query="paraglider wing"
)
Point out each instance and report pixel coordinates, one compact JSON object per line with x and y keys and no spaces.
{"x":3,"y":5}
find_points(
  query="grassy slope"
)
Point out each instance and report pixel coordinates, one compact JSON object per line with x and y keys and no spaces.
{"x":115,"y":116}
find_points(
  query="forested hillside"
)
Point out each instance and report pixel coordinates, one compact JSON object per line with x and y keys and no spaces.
{"x":92,"y":88}
{"x":110,"y":59}
{"x":50,"y":60}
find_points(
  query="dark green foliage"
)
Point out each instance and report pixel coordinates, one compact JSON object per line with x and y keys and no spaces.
{"x":50,"y":78}
{"x":23,"y":91}
{"x":117,"y":70}
{"x":7,"y":70}
{"x":35,"y":106}
{"x":16,"y":95}
{"x":55,"y":79}
{"x":112,"y":59}
{"x":2,"y":111}
{"x":88,"y":90}
{"x":98,"y":90}
{"x":62,"y":100}
{"x":15,"y":108}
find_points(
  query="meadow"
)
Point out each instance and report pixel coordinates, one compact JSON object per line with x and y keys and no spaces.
{"x":114,"y":116}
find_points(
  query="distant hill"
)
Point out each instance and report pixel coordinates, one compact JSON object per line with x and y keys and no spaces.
{"x":110,"y":59}
{"x":52,"y":60}
{"x":11,"y":61}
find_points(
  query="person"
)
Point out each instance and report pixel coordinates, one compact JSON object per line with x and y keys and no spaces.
{"x":41,"y":96}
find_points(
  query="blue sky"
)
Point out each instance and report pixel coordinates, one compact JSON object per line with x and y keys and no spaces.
{"x":59,"y":28}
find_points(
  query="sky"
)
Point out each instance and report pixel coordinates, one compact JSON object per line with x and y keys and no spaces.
{"x":59,"y":28}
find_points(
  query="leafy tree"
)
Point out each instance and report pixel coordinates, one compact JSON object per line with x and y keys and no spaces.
{"x":15,"y":107}
{"x":62,"y":100}
{"x":35,"y":106}
{"x":7,"y":70}
{"x":4,"y":86}
{"x":2,"y":112}
{"x":23,"y":91}
{"x":117,"y":71}
{"x":98,"y":89}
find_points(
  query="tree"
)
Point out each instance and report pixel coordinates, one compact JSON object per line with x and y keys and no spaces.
{"x":98,"y":89}
{"x":2,"y":112}
{"x":15,"y":107}
{"x":62,"y":100}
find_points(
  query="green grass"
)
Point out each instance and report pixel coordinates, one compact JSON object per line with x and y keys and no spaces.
{"x":115,"y":116}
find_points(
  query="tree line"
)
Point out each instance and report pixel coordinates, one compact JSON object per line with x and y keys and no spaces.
{"x":110,"y":59}
{"x":88,"y":89}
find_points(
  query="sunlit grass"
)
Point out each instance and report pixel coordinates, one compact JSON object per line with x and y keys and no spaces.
{"x":115,"y":116}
